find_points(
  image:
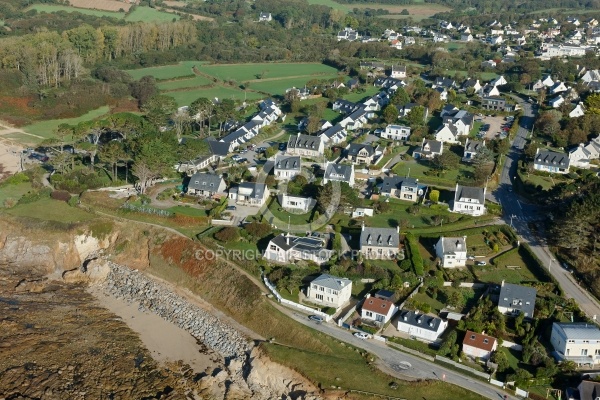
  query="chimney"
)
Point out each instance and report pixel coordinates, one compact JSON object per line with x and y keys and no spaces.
{"x":363,"y":226}
{"x":287,"y":238}
{"x":368,"y":295}
{"x":502,"y":283}
{"x":398,"y":228}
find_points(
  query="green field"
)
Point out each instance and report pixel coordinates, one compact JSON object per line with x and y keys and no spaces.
{"x":13,"y":192}
{"x":185,"y":97}
{"x":183,"y":83}
{"x":145,"y":14}
{"x":46,"y":128}
{"x":332,"y":4}
{"x":184,"y":68}
{"x":279,"y":86}
{"x":250,"y":72}
{"x":52,"y":8}
{"x":51,"y":210}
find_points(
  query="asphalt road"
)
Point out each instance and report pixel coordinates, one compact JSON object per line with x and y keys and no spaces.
{"x":519,"y":214}
{"x":398,"y":362}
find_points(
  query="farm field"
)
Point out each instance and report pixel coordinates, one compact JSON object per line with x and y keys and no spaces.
{"x":330,"y":3}
{"x":183,"y":83}
{"x":45,"y":128}
{"x":145,"y":14}
{"x":184,"y":68}
{"x":108,"y":5}
{"x":251,"y":72}
{"x":185,"y":97}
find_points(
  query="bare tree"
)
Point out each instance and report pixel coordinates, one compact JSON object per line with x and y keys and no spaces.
{"x":144,"y":174}
{"x":181,"y":120}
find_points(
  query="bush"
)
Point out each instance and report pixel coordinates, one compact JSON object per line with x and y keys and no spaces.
{"x":227,"y":235}
{"x":415,"y":256}
{"x":33,"y":196}
{"x":10,"y":203}
{"x":73,"y":201}
{"x":258,"y":229}
{"x":61,"y":195}
{"x":15,"y":179}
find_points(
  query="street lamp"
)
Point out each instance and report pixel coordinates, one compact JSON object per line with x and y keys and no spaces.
{"x":511,"y":218}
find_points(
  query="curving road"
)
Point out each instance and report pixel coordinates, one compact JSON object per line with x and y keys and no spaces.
{"x":519,"y":214}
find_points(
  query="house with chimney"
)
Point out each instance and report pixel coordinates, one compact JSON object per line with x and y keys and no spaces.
{"x":402,"y":188}
{"x":287,"y":167}
{"x":579,"y":157}
{"x":296,"y":203}
{"x":334,"y":135}
{"x":396,"y":132}
{"x":516,"y":299}
{"x":287,"y":248}
{"x":305,"y":145}
{"x":207,"y":185}
{"x":551,"y":161}
{"x":398,"y":72}
{"x":469,"y":200}
{"x":339,"y":173}
{"x":479,"y":345}
{"x":452,"y":251}
{"x":379,"y":243}
{"x":250,"y":194}
{"x":578,"y":342}
{"x":429,"y":149}
{"x":421,"y":326}
{"x":359,"y":153}
{"x":472,"y":148}
{"x":377,"y":310}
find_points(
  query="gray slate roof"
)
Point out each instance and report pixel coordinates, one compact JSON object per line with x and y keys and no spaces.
{"x":333,"y":171}
{"x":474,"y":145}
{"x":381,"y":237}
{"x":304,"y":142}
{"x":288,"y":163}
{"x":434,"y":146}
{"x":258,"y":189}
{"x":204,"y":181}
{"x":397,"y":182}
{"x":520,"y":296}
{"x":356,"y":147}
{"x":451,"y":245}
{"x":552,"y":159}
{"x":469,"y":192}
{"x":420,"y":320}
{"x":218,"y":148}
{"x":589,"y":390}
{"x":332,"y":282}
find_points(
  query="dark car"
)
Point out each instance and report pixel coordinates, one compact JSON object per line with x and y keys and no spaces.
{"x":315,"y":318}
{"x":243,"y":160}
{"x":282,"y":146}
{"x":231,"y":208}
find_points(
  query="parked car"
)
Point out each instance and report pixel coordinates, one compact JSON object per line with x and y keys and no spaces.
{"x":243,"y":151}
{"x":231,"y":208}
{"x":315,"y":318}
{"x":362,"y":335}
{"x":470,"y":257}
{"x":261,"y":149}
{"x":282,"y":146}
{"x":236,"y":157}
{"x":242,"y":160}
{"x":480,"y":263}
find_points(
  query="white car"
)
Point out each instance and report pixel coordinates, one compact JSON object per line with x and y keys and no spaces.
{"x":480,"y":263}
{"x":362,"y":335}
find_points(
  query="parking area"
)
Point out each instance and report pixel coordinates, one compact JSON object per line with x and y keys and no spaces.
{"x":492,"y":127}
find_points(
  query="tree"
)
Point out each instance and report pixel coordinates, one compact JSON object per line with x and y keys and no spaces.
{"x":144,"y":175}
{"x":450,"y":341}
{"x":456,"y":299}
{"x":434,"y":196}
{"x":499,"y":358}
{"x":258,"y":229}
{"x":181,"y":120}
{"x":227,"y":234}
{"x":484,"y":156}
{"x":271,"y":151}
{"x":445,"y":161}
{"x":390,"y":113}
{"x":143,"y":89}
{"x":416,"y":116}
{"x":111,"y":153}
{"x":314,"y":124}
{"x":159,"y":108}
{"x":592,"y":103}
{"x":202,"y":109}
{"x":400,"y":97}
{"x":225,"y":111}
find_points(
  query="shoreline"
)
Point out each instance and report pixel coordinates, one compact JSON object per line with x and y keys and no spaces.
{"x":166,"y":342}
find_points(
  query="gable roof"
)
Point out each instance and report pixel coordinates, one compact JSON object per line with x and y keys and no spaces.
{"x":589,"y":390}
{"x":552,"y":158}
{"x":420,"y":320}
{"x":288,"y":163}
{"x":381,"y":237}
{"x":397,"y":182}
{"x":474,"y":145}
{"x":334,"y":130}
{"x":204,"y":181}
{"x":332,"y":282}
{"x":435,"y":146}
{"x":304,"y":142}
{"x":376,"y":305}
{"x":479,"y":340}
{"x":517,"y":297}
{"x":355,"y":148}
{"x":470,"y":192}
{"x":452,"y":245}
{"x":218,"y":148}
{"x":334,"y":171}
{"x":255,"y":190}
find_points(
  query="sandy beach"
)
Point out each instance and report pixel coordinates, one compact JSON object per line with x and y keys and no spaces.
{"x":165,"y":341}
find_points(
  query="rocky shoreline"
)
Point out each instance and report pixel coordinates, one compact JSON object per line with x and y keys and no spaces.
{"x":133,"y":286}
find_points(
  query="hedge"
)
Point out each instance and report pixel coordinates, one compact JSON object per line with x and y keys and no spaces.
{"x":415,"y":256}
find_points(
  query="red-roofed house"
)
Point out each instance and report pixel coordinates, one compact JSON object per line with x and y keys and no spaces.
{"x":376,"y":309}
{"x":478,"y":345}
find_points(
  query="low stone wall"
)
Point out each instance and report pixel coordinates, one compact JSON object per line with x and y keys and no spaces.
{"x":134,"y":286}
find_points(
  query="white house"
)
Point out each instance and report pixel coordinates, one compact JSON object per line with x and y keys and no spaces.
{"x":479,"y":345}
{"x":334,"y":135}
{"x":396,"y":132}
{"x":421,"y":326}
{"x":339,"y":173}
{"x":578,"y":111}
{"x":362,"y":212}
{"x":206,"y":185}
{"x":398,"y":72}
{"x":556,"y":102}
{"x":287,"y":167}
{"x":329,"y":291}
{"x":379,"y":243}
{"x":488,"y":64}
{"x":265,"y":17}
{"x":466,"y":37}
{"x":447,"y":133}
{"x":472,"y":148}
{"x":469,"y":200}
{"x":297,"y":203}
{"x":288,"y":248}
{"x":305,"y":145}
{"x":516,"y":299}
{"x":577,"y":342}
{"x":496,"y":40}
{"x":249,"y":193}
{"x":452,"y":251}
{"x":429,"y":149}
{"x":378,"y":310}
{"x":407,"y":189}
{"x":579,"y":157}
{"x":593,"y":147}
{"x":551,"y":161}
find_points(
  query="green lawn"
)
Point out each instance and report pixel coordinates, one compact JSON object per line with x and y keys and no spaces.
{"x":436,"y":306}
{"x":348,"y":369}
{"x":46,"y":128}
{"x":147,"y":14}
{"x":23,"y":138}
{"x":13,"y":191}
{"x":51,"y":210}
{"x":52,"y":8}
{"x":184,"y":68}
{"x":447,"y":178}
{"x":476,"y":127}
{"x":249,"y":72}
{"x":284,"y":216}
{"x":186,"y":97}
{"x":357,"y":96}
{"x":183,"y":83}
{"x":545,"y":181}
{"x":189,"y":211}
{"x":332,"y":4}
{"x":279,"y":86}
